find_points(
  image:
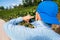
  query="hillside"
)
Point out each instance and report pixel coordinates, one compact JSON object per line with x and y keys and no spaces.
{"x":16,"y":12}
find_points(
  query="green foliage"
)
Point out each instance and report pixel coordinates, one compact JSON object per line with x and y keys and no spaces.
{"x":16,"y":12}
{"x":36,"y":2}
{"x":58,"y":2}
{"x":1,"y":8}
{"x":27,"y":3}
{"x":30,"y":2}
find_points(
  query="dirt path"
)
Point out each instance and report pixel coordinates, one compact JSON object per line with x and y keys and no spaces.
{"x":3,"y":35}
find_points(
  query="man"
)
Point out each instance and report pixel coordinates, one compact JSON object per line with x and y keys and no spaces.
{"x":45,"y":14}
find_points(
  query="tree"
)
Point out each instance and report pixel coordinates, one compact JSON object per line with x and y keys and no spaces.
{"x":36,"y":2}
{"x":28,"y":2}
{"x":2,"y":8}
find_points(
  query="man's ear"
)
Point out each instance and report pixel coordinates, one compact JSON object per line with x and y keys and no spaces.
{"x":37,"y":16}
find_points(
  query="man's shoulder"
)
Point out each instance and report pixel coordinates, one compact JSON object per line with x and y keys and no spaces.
{"x":38,"y":24}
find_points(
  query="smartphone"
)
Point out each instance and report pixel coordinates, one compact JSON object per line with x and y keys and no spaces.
{"x":32,"y":20}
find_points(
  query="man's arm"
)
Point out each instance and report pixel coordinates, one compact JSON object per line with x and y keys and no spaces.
{"x":12,"y":28}
{"x":18,"y":20}
{"x":15,"y":21}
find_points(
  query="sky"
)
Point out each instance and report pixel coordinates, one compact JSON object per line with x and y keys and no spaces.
{"x":10,"y":3}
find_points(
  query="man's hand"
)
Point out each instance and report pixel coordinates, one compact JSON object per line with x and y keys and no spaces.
{"x":27,"y":18}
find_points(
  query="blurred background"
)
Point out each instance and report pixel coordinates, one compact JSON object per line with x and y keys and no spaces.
{"x":15,"y":8}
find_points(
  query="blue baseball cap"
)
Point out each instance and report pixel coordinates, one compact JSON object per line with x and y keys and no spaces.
{"x":48,"y":11}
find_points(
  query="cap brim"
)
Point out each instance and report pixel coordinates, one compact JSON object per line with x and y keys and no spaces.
{"x":48,"y":19}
